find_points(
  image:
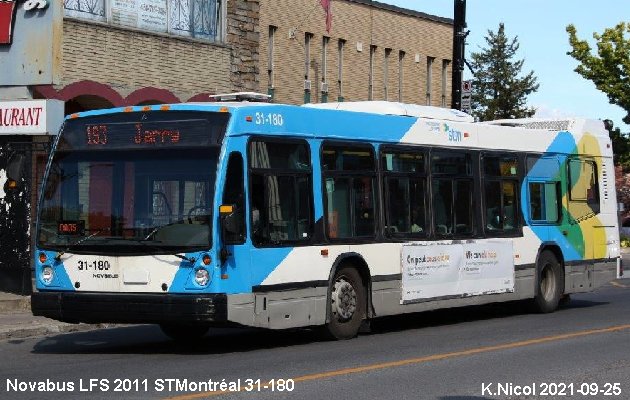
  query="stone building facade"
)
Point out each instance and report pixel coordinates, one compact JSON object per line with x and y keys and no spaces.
{"x":112,"y":56}
{"x":372,"y":51}
{"x":126,"y":58}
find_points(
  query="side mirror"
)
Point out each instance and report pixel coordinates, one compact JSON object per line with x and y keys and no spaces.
{"x":231,"y":230}
{"x":15,"y":170}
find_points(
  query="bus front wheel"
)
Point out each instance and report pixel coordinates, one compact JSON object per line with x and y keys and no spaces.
{"x":550,"y":283}
{"x":346,"y":304}
{"x":184,"y":332}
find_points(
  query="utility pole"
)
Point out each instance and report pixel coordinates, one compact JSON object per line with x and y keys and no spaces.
{"x":459,"y":43}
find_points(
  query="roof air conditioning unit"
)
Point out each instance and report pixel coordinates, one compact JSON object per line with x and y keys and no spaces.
{"x":307,"y":85}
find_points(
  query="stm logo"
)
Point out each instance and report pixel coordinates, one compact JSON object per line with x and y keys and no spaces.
{"x":7,"y":16}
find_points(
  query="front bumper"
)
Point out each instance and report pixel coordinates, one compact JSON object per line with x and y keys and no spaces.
{"x":131,"y":308}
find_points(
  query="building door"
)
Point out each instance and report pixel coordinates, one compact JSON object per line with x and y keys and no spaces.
{"x":15,"y":218}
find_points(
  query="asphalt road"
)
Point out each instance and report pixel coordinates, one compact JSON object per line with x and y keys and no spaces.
{"x":466,"y":353}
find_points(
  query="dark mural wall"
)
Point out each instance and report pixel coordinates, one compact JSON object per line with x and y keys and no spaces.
{"x":15,"y":218}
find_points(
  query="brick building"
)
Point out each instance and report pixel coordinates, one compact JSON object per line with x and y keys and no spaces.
{"x":128,"y":52}
{"x":372,"y":51}
{"x":112,"y":56}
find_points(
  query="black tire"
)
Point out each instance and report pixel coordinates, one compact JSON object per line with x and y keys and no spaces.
{"x":549,"y":283}
{"x":182,"y":333}
{"x":346,"y":304}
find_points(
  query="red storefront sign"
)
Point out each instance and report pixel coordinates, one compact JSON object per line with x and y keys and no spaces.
{"x":7,"y":14}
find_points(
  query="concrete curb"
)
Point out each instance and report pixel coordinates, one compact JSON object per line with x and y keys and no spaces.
{"x":46,"y":329}
{"x":15,"y":303}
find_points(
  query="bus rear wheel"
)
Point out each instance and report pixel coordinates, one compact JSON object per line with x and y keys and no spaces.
{"x":550,"y":283}
{"x":183,"y":333}
{"x":346,"y":304}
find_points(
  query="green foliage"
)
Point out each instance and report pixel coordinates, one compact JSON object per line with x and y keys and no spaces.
{"x":621,"y":148}
{"x":609,"y":69}
{"x":498,"y":91}
{"x":625,"y":242}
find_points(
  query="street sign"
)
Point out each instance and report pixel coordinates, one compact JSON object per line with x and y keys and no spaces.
{"x":466,"y":96}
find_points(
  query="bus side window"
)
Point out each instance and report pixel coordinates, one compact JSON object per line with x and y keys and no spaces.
{"x":281,"y":191}
{"x":500,"y":193}
{"x":583,"y":188}
{"x":544,"y":202}
{"x":452,"y":190}
{"x":404,"y":180}
{"x":349,"y":174}
{"x":233,"y":193}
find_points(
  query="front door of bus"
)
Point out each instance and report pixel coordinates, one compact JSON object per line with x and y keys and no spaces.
{"x":235,"y":264}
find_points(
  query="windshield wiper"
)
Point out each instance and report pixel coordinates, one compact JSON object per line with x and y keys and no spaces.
{"x":145,"y":240}
{"x":58,"y":256}
{"x":153,"y":232}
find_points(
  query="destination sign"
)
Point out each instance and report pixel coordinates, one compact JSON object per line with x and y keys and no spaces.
{"x":147,"y":130}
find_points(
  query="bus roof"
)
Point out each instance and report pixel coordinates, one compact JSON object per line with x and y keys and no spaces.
{"x":390,"y":122}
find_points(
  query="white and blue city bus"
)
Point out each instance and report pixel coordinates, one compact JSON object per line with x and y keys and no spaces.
{"x":277,"y":216}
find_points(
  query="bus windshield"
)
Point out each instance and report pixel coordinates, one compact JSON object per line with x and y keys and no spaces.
{"x":132,"y":183}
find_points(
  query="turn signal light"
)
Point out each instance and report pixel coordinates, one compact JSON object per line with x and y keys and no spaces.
{"x":42,"y":258}
{"x":206,"y":259}
{"x":226,"y":209}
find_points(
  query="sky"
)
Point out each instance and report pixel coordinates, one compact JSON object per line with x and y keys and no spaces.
{"x":540,"y":26}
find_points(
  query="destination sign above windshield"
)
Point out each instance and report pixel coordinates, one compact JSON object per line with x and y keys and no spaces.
{"x":150,"y":130}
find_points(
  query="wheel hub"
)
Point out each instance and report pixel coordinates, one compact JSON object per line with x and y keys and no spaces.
{"x":344,"y":300}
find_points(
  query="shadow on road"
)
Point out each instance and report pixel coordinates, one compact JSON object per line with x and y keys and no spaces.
{"x":148,"y":339}
{"x":466,"y":314}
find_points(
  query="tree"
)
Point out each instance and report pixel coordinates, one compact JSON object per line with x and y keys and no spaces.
{"x":621,"y":147}
{"x":622,"y":183}
{"x":498,"y":91}
{"x":609,"y":70}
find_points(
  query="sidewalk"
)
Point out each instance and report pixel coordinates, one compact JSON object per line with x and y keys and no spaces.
{"x":17,"y":322}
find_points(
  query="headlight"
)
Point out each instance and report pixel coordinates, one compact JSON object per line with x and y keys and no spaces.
{"x":202,"y":277}
{"x":47,"y":275}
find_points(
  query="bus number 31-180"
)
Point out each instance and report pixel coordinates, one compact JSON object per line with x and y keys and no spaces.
{"x":96,"y":265}
{"x":269,"y":119}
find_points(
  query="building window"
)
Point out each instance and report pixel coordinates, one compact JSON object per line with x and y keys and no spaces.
{"x":429,"y":78}
{"x":324,"y":84}
{"x":270,"y":58}
{"x":386,"y":73}
{"x":200,"y":19}
{"x":401,"y":59}
{"x":307,"y":66}
{"x":340,"y":46}
{"x":445,"y":64}
{"x":371,"y":77}
{"x":88,"y":9}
